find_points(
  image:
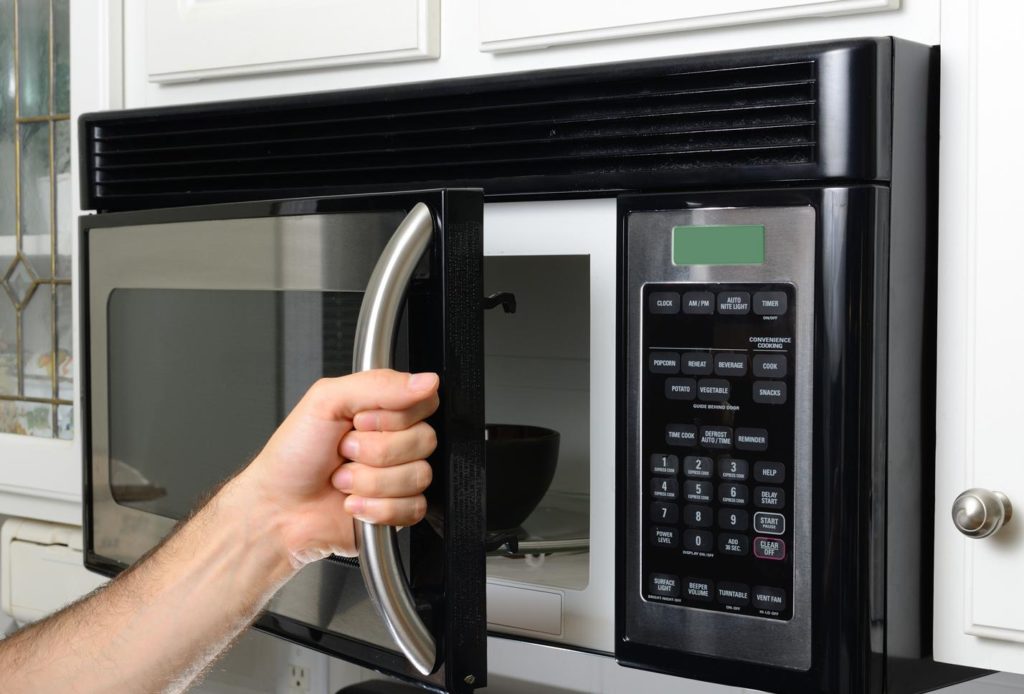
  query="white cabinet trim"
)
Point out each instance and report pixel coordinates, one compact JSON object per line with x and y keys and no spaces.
{"x":529,"y":24}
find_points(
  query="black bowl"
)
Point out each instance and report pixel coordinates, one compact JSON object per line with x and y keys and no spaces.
{"x":521,"y":462}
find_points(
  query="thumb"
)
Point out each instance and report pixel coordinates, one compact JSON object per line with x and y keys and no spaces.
{"x":379,"y":389}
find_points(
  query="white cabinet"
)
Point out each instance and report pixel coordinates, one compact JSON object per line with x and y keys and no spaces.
{"x":201,"y":39}
{"x":979,"y":611}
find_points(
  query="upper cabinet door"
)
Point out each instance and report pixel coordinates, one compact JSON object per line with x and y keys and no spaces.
{"x":188,"y":40}
{"x":979,"y":614}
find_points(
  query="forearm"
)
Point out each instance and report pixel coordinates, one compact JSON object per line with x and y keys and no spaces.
{"x":159,"y":625}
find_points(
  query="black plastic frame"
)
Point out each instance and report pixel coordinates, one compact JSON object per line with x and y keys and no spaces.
{"x":446,"y":315}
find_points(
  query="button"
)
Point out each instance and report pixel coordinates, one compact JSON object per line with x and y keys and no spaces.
{"x":752,"y":439}
{"x":716,"y":437}
{"x":736,"y":545}
{"x":734,"y":594}
{"x":769,"y":497}
{"x":713,"y":390}
{"x":767,"y":471}
{"x":697,"y":516}
{"x":665,"y":537}
{"x":732,"y":519}
{"x":699,"y":303}
{"x":698,"y":589}
{"x":663,"y":302}
{"x":730,"y":364}
{"x":680,"y":388}
{"x":696,"y":363}
{"x":664,"y":513}
{"x":770,"y":392}
{"x":770,"y":303}
{"x":769,"y":523}
{"x":770,"y":365}
{"x":697,"y":466}
{"x":664,"y":464}
{"x":770,"y":599}
{"x":698,"y":491}
{"x":769,"y":548}
{"x":663,"y":363}
{"x":698,"y":541}
{"x":734,"y":303}
{"x":733,"y":469}
{"x":664,"y":586}
{"x":664,"y":488}
{"x":681,"y":434}
{"x":733,"y":494}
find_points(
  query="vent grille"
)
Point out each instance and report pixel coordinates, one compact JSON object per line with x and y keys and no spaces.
{"x":564,"y":133}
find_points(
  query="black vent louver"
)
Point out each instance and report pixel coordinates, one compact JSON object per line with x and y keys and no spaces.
{"x":613,"y":127}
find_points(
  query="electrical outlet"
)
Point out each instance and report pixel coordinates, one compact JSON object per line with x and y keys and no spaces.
{"x":301,"y":671}
{"x":298,"y":679}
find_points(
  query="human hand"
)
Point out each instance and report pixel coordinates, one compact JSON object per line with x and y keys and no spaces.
{"x":302,"y":480}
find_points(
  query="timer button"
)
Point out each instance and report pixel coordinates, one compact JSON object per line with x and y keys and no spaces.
{"x":770,"y":303}
{"x":663,"y":302}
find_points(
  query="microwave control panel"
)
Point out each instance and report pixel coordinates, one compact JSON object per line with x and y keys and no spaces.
{"x":717,"y":446}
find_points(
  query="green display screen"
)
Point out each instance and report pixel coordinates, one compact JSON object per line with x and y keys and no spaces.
{"x":719,"y":244}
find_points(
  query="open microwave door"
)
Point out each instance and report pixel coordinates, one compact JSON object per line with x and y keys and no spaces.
{"x":203,"y":327}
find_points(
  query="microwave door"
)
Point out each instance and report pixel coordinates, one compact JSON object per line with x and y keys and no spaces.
{"x":185,"y":305}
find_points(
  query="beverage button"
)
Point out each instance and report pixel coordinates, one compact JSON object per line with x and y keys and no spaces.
{"x":767,"y":471}
{"x":681,"y":434}
{"x":680,"y":388}
{"x":769,"y":599}
{"x":698,"y":541}
{"x":732,"y":519}
{"x":697,"y":491}
{"x":752,"y":439}
{"x":770,"y":392}
{"x":663,"y":363}
{"x":664,"y":513}
{"x":770,"y":365}
{"x":716,"y":437}
{"x":730,"y":364}
{"x":699,"y":303}
{"x":663,"y":302}
{"x":735,"y":545}
{"x":769,"y":548}
{"x":733,"y":469}
{"x":733,"y":494}
{"x":769,"y":523}
{"x":697,"y":466}
{"x":713,"y":390}
{"x":733,"y":594}
{"x":696,"y":363}
{"x":665,"y":537}
{"x":664,"y":488}
{"x":698,"y":589}
{"x":664,"y":464}
{"x":697,"y":516}
{"x":734,"y":303}
{"x":770,"y":497}
{"x":663,"y":586}
{"x":770,"y":303}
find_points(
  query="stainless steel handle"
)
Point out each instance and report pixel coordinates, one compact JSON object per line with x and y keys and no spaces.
{"x":375,"y":331}
{"x":979,"y":513}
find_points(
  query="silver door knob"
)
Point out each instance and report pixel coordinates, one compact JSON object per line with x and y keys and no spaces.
{"x":979,"y":513}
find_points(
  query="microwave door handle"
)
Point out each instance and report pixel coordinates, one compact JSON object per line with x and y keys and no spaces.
{"x":375,"y":331}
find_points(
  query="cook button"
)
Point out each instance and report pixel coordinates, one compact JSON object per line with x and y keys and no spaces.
{"x":697,"y":541}
{"x":696,"y":363}
{"x":716,"y":437}
{"x":770,"y":303}
{"x":664,"y":488}
{"x":769,"y":523}
{"x":663,"y":363}
{"x":727,"y":364}
{"x":698,"y":589}
{"x":767,"y":471}
{"x":736,"y":545}
{"x":697,"y":466}
{"x":663,"y":585}
{"x":733,"y":494}
{"x":664,"y":464}
{"x":665,"y":537}
{"x":735,"y":303}
{"x":699,"y":303}
{"x":732,"y":469}
{"x":769,"y":548}
{"x":770,"y":392}
{"x":663,"y":302}
{"x":735,"y":594}
{"x":752,"y":439}
{"x":769,"y":497}
{"x":681,"y":434}
{"x":713,"y":389}
{"x":771,"y":599}
{"x":680,"y":388}
{"x":697,"y":491}
{"x":770,"y":365}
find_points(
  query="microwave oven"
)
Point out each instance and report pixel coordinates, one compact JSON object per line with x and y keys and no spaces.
{"x":722,"y":268}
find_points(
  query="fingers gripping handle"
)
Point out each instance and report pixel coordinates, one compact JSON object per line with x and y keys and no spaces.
{"x":375,"y":331}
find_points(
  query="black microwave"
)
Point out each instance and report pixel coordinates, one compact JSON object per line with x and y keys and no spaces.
{"x":771,"y":214}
